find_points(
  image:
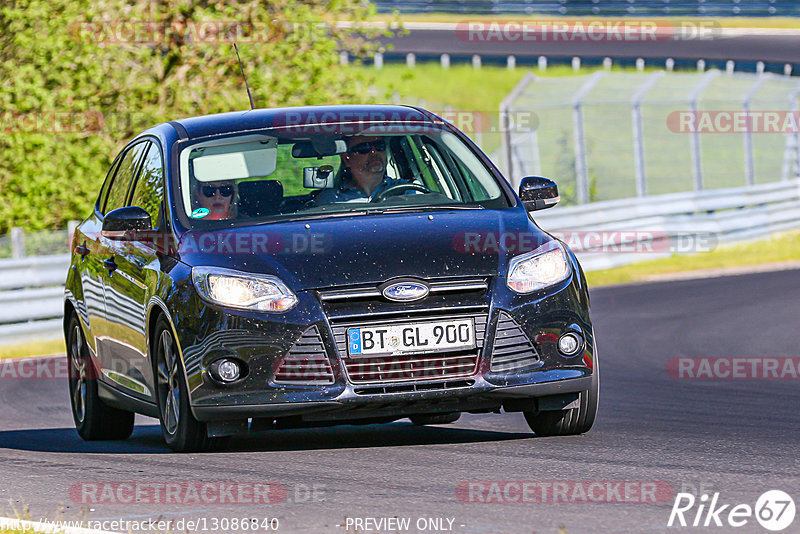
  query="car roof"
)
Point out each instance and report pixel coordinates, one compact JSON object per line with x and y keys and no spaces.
{"x":301,"y":117}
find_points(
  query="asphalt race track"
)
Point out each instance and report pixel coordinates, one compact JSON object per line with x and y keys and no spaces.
{"x":742,"y":45}
{"x":736,"y":437}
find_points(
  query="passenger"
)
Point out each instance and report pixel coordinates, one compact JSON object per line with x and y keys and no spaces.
{"x":217,"y":198}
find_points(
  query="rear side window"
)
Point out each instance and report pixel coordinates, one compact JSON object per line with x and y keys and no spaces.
{"x":101,"y":199}
{"x":149,"y":190}
{"x":119,"y":186}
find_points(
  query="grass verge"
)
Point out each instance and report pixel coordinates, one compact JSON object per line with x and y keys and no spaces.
{"x":781,"y":248}
{"x":32,"y":348}
{"x":462,"y":86}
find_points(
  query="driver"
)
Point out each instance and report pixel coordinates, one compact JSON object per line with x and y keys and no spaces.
{"x":363,"y":171}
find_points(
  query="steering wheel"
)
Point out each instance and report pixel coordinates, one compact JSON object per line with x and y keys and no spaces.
{"x":399,"y":188}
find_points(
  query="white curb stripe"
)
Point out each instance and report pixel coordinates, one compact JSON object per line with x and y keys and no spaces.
{"x":48,"y":528}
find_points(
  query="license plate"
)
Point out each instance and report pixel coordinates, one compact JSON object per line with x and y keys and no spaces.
{"x":412,"y":338}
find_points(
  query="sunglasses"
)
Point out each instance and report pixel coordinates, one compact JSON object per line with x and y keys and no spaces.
{"x":209,"y":190}
{"x":366,"y":148}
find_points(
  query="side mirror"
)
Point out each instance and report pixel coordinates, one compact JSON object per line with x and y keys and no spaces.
{"x":126,"y":222}
{"x":538,"y":193}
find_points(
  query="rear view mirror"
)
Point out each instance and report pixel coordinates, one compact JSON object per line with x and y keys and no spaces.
{"x":318,"y":177}
{"x":319,"y":148}
{"x":538,"y":193}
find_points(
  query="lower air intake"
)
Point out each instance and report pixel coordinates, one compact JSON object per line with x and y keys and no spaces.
{"x":513,"y":352}
{"x":306,"y":362}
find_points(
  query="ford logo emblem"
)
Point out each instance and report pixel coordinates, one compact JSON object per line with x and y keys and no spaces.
{"x":405,"y":291}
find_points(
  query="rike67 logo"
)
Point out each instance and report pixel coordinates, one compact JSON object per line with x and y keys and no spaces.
{"x":774,"y":510}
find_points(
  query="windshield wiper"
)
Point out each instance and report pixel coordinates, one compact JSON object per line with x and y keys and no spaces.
{"x":398,"y":209}
{"x":317,"y":215}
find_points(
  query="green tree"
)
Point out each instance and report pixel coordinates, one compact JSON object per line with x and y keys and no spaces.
{"x":80,"y":78}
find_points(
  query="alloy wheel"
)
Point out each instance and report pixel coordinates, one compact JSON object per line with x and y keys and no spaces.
{"x":78,"y":373}
{"x":169,"y":382}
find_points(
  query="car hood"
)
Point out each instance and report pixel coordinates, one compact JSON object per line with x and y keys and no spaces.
{"x":365,"y":249}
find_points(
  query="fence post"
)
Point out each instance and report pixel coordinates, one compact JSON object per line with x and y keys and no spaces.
{"x":581,"y":166}
{"x":536,"y":155}
{"x":794,"y":105}
{"x":542,"y":62}
{"x":638,"y":131}
{"x":71,"y":226}
{"x":505,"y":122}
{"x":694,"y":139}
{"x":17,"y":242}
{"x":749,"y":162}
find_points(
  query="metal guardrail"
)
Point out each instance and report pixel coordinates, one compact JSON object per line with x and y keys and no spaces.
{"x":32,"y":297}
{"x":619,"y":232}
{"x":600,"y":233}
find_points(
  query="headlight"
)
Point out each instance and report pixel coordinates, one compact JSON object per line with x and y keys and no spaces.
{"x":243,"y":290}
{"x":538,"y":269}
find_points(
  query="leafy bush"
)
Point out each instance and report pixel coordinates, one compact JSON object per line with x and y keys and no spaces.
{"x":77,"y":83}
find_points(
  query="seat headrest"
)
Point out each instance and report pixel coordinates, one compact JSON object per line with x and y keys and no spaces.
{"x":260,"y":197}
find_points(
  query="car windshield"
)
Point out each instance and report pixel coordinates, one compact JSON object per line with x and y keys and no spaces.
{"x":256,"y":178}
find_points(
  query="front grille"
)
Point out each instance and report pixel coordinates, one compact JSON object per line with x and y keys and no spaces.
{"x":306,"y":362}
{"x":513,"y":352}
{"x":456,"y":285}
{"x":411,"y":367}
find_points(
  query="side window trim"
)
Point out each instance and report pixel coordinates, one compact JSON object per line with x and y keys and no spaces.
{"x":112,"y":172}
{"x":135,"y":174}
{"x":153,"y":143}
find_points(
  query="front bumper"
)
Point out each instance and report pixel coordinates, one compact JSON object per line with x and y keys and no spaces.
{"x":471,"y":395}
{"x":261,"y":341}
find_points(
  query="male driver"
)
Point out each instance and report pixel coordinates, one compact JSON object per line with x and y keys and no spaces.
{"x":363,"y":171}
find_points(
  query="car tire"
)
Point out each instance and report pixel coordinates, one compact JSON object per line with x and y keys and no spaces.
{"x":435,"y":418}
{"x":569,"y":422}
{"x":181,"y":431}
{"x":94,"y":420}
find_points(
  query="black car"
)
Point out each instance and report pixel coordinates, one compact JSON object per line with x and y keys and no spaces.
{"x":321,"y":265}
